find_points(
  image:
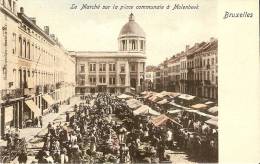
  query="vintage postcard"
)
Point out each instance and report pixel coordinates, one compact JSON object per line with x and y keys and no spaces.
{"x":117,"y":81}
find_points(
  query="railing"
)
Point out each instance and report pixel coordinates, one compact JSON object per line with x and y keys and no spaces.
{"x":7,"y":94}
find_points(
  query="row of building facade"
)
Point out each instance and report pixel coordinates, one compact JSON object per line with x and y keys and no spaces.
{"x":193,"y":71}
{"x":36,"y":71}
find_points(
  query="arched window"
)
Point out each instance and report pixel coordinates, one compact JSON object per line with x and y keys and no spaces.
{"x":28,"y":50}
{"x":20,"y":47}
{"x":24,"y":45}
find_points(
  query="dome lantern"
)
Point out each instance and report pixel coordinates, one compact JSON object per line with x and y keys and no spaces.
{"x":131,"y":36}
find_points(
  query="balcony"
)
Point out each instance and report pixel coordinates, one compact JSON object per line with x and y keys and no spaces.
{"x":207,"y":82}
{"x":39,"y":89}
{"x":7,"y":94}
{"x":190,"y":70}
{"x":198,"y":82}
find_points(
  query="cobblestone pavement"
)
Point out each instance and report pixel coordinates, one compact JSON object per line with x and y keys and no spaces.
{"x":33,"y":136}
{"x":30,"y":134}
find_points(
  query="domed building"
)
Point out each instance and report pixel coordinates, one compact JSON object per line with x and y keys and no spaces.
{"x":114,"y":71}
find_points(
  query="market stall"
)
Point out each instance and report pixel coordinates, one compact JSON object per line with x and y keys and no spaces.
{"x":144,"y":109}
{"x":125,"y":96}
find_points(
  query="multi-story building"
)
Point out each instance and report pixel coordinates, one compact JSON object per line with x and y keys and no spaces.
{"x":36,"y":71}
{"x":174,"y":73}
{"x":193,"y":71}
{"x":117,"y":71}
{"x":150,"y":74}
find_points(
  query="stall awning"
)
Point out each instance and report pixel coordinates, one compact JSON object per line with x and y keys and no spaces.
{"x":174,"y":111}
{"x":212,"y":121}
{"x":48,"y":99}
{"x":202,"y":114}
{"x":209,"y":103}
{"x":124,"y":96}
{"x":133,"y":103}
{"x":144,"y":109}
{"x":186,"y":97}
{"x":164,"y":101}
{"x":178,"y":106}
{"x":213,"y":110}
{"x":199,"y":106}
{"x":162,"y":119}
{"x":33,"y":107}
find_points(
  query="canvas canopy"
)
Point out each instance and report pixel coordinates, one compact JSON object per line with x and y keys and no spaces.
{"x":124,"y":96}
{"x":133,"y":103}
{"x":213,"y":110}
{"x":170,"y":94}
{"x":162,"y":119}
{"x":155,"y":98}
{"x":174,"y":111}
{"x":199,"y":106}
{"x":178,"y":106}
{"x":144,"y":109}
{"x":209,"y":103}
{"x":149,"y":95}
{"x":186,"y":97}
{"x":164,"y":101}
{"x":202,"y":114}
{"x":48,"y":99}
{"x":33,"y":107}
{"x":213,"y":121}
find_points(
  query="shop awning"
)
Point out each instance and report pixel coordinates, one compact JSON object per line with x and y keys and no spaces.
{"x":133,"y":103}
{"x":33,"y":107}
{"x":48,"y":99}
{"x":144,"y":109}
{"x":199,"y":106}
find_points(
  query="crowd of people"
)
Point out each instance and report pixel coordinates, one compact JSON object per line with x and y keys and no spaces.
{"x":104,"y":129}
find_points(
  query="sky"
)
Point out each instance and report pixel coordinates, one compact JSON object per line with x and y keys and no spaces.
{"x":167,"y":31}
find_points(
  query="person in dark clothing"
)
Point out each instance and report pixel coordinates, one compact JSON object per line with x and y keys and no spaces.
{"x":22,"y":158}
{"x":40,"y":119}
{"x":36,"y":122}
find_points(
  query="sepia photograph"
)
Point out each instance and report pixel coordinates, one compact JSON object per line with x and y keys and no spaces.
{"x":108,"y":82}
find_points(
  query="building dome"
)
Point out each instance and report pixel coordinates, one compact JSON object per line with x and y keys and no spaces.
{"x":131,"y":28}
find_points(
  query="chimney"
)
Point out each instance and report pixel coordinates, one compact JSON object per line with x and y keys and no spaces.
{"x":21,"y":10}
{"x":187,"y":47}
{"x":212,"y":39}
{"x":53,"y":36}
{"x":33,"y":19}
{"x":47,"y":30}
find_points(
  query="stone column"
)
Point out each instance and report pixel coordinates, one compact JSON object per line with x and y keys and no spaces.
{"x":97,"y":73}
{"x":21,"y":104}
{"x":117,"y":76}
{"x":107,"y":73}
{"x":127,"y":75}
{"x":86,"y":74}
{"x":138,"y":77}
